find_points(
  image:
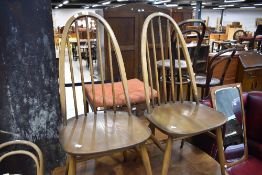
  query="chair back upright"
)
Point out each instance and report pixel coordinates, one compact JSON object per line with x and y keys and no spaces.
{"x":97,"y":73}
{"x":224,"y":55}
{"x":156,"y":43}
{"x":37,"y":158}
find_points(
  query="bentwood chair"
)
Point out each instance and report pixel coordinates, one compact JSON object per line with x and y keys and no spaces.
{"x":92,"y":134}
{"x":177,"y":119}
{"x":37,"y":157}
{"x":196,"y":60}
{"x":206,"y":81}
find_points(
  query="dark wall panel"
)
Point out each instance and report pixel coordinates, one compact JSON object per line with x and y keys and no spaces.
{"x":29,"y":96}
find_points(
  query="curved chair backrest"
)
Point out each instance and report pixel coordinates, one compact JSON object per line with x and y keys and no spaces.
{"x":238,"y":34}
{"x":153,"y":42}
{"x":224,"y":55}
{"x":37,"y":158}
{"x":200,"y":36}
{"x":112,"y":45}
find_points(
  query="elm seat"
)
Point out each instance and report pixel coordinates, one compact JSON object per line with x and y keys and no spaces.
{"x":185,"y":119}
{"x":135,"y":90}
{"x":102,"y":132}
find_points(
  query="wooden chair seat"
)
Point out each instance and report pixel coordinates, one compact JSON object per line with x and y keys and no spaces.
{"x":102,"y":133}
{"x":201,"y":81}
{"x":135,"y":90}
{"x":185,"y":119}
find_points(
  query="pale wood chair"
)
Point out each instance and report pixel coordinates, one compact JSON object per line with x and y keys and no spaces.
{"x":98,"y":133}
{"x":37,"y":158}
{"x":181,"y":119}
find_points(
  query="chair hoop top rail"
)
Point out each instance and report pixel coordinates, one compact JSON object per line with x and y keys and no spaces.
{"x":40,"y":165}
{"x":62,"y":57}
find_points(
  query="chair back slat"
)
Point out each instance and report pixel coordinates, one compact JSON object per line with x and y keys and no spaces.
{"x":111,"y":71}
{"x":100,"y":62}
{"x":81,"y":67}
{"x":155,"y":62}
{"x":162,"y":58}
{"x":94,"y":89}
{"x":72,"y":76}
{"x":171,"y":62}
{"x":168,"y":72}
{"x":91,"y":68}
{"x":150,"y":72}
{"x":179,"y":69}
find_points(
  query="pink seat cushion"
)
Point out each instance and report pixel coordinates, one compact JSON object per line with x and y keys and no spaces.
{"x":135,"y":90}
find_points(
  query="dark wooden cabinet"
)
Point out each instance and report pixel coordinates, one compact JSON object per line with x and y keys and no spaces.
{"x":250,"y":71}
{"x":181,"y":14}
{"x":126,"y":22}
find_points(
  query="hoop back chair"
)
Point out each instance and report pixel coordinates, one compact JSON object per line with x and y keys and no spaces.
{"x":177,"y":119}
{"x":37,"y":158}
{"x":200,"y":37}
{"x":98,"y":133}
{"x":207,"y":81}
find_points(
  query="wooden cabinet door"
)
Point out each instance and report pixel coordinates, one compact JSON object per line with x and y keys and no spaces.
{"x":126,"y":22}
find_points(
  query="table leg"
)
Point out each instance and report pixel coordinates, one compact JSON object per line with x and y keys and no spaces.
{"x":221,"y":155}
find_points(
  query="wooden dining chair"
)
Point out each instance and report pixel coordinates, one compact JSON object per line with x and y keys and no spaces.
{"x":92,"y":134}
{"x":94,"y":51}
{"x":206,"y":81}
{"x":200,"y":33}
{"x":37,"y":157}
{"x":177,"y":119}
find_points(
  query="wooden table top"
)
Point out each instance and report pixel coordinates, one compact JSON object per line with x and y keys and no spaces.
{"x":251,"y":60}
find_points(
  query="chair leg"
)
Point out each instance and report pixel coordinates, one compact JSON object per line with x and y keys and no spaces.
{"x":182,"y":143}
{"x":221,"y":155}
{"x":152,"y":128}
{"x":167,"y":156}
{"x":67,"y":165}
{"x":145,"y":159}
{"x":154,"y":139}
{"x":72,"y":165}
{"x":125,"y":155}
{"x":202,"y":92}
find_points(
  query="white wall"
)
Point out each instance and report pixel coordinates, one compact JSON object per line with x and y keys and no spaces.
{"x":247,"y":17}
{"x":60,"y":16}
